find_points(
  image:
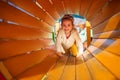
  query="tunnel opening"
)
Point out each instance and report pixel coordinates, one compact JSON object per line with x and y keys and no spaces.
{"x":82,"y":26}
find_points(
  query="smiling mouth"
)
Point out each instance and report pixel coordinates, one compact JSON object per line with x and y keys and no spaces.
{"x":67,"y":30}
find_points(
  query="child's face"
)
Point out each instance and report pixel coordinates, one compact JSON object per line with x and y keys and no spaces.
{"x":67,"y":26}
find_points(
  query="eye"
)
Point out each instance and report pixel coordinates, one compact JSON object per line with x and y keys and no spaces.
{"x":63,"y":25}
{"x":69,"y":25}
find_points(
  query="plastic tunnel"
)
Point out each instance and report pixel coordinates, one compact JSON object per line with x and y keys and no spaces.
{"x":27,"y":50}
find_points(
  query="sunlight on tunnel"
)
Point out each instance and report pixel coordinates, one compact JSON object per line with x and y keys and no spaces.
{"x":27,"y":49}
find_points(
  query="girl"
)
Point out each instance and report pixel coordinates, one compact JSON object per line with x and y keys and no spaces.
{"x":68,"y":38}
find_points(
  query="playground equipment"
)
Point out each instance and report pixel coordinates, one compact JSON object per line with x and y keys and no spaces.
{"x":27,"y":51}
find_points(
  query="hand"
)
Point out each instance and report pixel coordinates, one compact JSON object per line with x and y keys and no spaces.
{"x":59,"y":54}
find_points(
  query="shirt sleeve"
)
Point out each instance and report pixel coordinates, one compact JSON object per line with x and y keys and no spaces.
{"x":59,"y":46}
{"x":78,"y":43}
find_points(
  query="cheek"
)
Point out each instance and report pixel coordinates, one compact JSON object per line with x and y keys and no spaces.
{"x":63,"y":28}
{"x":71,"y":27}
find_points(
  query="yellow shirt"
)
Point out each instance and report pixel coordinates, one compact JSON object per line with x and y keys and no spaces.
{"x":64,"y":43}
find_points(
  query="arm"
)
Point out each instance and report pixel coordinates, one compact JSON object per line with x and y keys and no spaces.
{"x":78,"y":43}
{"x":59,"y":46}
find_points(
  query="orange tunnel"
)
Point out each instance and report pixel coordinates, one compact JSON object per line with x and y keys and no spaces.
{"x":27,"y":51}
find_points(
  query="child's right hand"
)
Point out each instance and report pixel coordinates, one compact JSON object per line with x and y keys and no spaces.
{"x":59,"y":54}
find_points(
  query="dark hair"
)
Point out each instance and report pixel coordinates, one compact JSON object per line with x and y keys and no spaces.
{"x":67,"y":17}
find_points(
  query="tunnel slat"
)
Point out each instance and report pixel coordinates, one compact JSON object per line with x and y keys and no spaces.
{"x":49,"y":8}
{"x":100,"y":28}
{"x":82,"y":72}
{"x":71,"y":6}
{"x":20,"y":17}
{"x":57,"y":71}
{"x":98,"y":71}
{"x":110,"y":45}
{"x":110,"y":9}
{"x":95,"y":8}
{"x":59,"y":7}
{"x":109,"y":60}
{"x":30,"y":6}
{"x":69,"y":70}
{"x":18,"y":47}
{"x":85,"y":5}
{"x":17,"y":32}
{"x":18,"y":64}
{"x":110,"y":34}
{"x":38,"y":71}
{"x":108,"y":25}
